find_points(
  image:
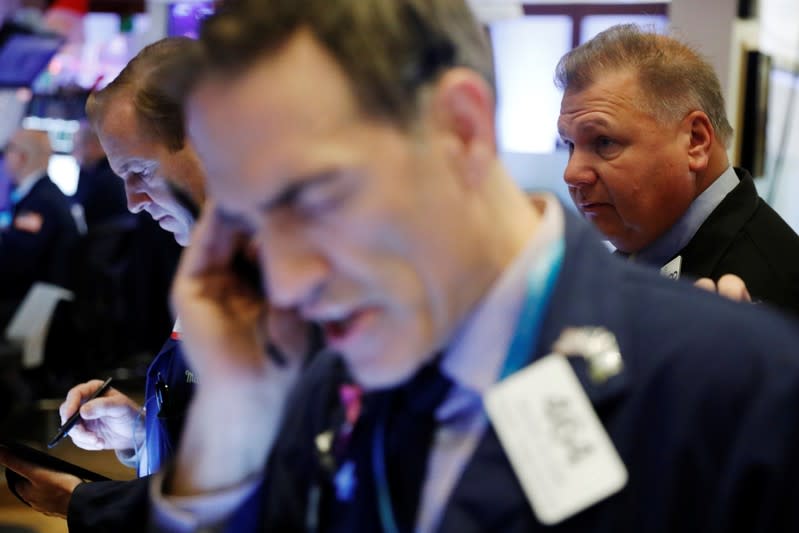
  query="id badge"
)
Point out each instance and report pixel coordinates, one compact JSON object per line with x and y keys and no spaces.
{"x":556,"y":444}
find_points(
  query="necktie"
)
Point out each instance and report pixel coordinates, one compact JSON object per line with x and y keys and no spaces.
{"x":409,"y":428}
{"x":406,"y":416}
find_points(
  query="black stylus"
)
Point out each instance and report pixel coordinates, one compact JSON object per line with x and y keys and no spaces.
{"x":72,"y":420}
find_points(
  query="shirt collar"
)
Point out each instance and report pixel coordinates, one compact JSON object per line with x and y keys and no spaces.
{"x":480,"y":346}
{"x":21,"y":191}
{"x":681,"y":233}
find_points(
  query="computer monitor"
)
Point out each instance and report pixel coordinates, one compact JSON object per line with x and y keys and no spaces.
{"x":24,"y":56}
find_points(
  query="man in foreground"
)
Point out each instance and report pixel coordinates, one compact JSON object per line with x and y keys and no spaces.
{"x":644,"y":119}
{"x":379,"y":208}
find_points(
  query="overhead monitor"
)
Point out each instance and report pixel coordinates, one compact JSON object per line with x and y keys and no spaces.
{"x":24,"y":56}
{"x":184,"y":18}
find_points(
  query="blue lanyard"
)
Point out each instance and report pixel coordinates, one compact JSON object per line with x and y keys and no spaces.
{"x":540,"y":283}
{"x":7,"y":214}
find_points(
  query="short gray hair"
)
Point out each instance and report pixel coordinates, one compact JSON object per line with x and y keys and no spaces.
{"x":675,"y":79}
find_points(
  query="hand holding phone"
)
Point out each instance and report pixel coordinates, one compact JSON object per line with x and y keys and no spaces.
{"x":240,"y":391}
{"x":246,"y":269}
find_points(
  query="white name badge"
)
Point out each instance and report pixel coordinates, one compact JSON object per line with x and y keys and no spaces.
{"x":672,"y":269}
{"x":554,"y":440}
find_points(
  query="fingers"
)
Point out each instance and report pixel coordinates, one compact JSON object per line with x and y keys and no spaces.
{"x":20,"y":466}
{"x":732,"y":287}
{"x":213,"y":243}
{"x":115,"y":406}
{"x":706,"y":284}
{"x":729,"y":286}
{"x":86,"y":438}
{"x":47,"y":491}
{"x":106,"y":422}
{"x":76,"y":396}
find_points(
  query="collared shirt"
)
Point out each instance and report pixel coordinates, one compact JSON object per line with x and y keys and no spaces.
{"x":473,"y":361}
{"x":680,"y":234}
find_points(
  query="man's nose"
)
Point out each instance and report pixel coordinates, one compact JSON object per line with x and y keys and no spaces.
{"x":579,"y":171}
{"x":295,"y":270}
{"x":137,"y":200}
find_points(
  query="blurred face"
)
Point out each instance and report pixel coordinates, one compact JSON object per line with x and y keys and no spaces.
{"x":86,"y":148}
{"x":628,"y":173}
{"x":14,"y":161}
{"x":147,"y":166}
{"x":345,"y":212}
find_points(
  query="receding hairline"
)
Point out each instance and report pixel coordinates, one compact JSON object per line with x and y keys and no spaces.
{"x":119,"y":102}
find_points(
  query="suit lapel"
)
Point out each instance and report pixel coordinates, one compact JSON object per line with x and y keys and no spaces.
{"x":488,"y":496}
{"x":702,"y":255}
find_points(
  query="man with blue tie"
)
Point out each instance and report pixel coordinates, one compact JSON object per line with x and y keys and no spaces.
{"x":495,"y":368}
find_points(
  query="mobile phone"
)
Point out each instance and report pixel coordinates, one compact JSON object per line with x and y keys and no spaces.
{"x":241,"y":265}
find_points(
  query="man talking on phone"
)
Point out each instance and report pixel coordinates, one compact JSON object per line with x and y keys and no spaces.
{"x":509,"y":375}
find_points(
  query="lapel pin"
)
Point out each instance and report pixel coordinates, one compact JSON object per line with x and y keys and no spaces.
{"x":597,"y":346}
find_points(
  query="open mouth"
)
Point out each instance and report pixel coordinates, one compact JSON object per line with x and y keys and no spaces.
{"x":343,"y":330}
{"x":592,"y":207}
{"x":340,"y":328}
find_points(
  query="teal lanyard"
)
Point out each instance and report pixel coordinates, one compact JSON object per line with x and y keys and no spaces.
{"x":540,"y":283}
{"x":7,"y":215}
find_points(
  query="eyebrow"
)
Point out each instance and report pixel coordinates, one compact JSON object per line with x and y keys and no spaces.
{"x":586,"y":125}
{"x":294,"y":189}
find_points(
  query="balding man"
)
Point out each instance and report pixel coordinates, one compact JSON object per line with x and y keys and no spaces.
{"x":36,"y":241}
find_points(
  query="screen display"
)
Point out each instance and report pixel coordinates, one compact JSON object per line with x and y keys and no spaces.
{"x":184,"y":17}
{"x":23,"y":57}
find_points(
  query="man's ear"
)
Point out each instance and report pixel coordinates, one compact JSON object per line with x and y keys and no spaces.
{"x":701,"y":139}
{"x":463,"y":111}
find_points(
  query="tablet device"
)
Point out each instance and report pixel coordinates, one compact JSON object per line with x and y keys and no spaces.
{"x":45,"y":460}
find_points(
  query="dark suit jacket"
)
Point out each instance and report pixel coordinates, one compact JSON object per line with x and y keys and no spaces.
{"x":108,"y":506}
{"x":43,"y":255}
{"x":745,"y":236}
{"x":703,"y":415}
{"x":101,"y":193}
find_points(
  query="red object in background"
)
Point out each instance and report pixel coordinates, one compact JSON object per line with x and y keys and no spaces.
{"x":78,"y":6}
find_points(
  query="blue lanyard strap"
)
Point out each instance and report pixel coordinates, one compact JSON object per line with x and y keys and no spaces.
{"x":384,"y":508}
{"x":540,"y":284}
